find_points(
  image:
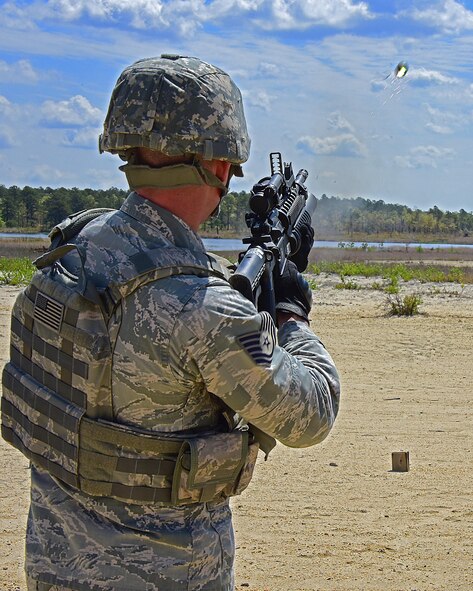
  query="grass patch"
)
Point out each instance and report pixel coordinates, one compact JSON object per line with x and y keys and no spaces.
{"x":18,"y":248}
{"x":406,"y":272}
{"x":346,"y":284}
{"x":378,"y":286}
{"x":393,"y":286}
{"x":408,"y":305}
{"x":16,"y":271}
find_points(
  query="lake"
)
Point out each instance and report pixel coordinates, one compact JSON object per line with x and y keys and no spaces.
{"x":221,"y":244}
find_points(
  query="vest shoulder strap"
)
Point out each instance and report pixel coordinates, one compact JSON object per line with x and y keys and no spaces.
{"x":146,"y":267}
{"x":72,"y":225}
{"x":137,"y":271}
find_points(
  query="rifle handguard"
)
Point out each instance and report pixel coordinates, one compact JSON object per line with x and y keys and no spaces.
{"x":249,"y":272}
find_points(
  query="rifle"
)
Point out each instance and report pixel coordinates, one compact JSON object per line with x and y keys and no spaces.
{"x":280,"y":205}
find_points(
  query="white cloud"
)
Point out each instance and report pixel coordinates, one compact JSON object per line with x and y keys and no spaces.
{"x":5,"y":105}
{"x":104,"y":178}
{"x":424,"y":157}
{"x":140,"y":14}
{"x":378,"y":85}
{"x":141,"y":10}
{"x":259,"y":99}
{"x":44,"y":174}
{"x":337,"y":121}
{"x":183,"y":15}
{"x":16,"y":17}
{"x":81,"y":138}
{"x":445,"y":122}
{"x":441,"y":129}
{"x":76,"y":111}
{"x":7,"y":137}
{"x":188,"y":15}
{"x":19,"y":72}
{"x":448,"y":15}
{"x":336,"y":12}
{"x":13,"y":118}
{"x":306,"y":13}
{"x":267,"y":69}
{"x":345,"y":144}
{"x":423,"y":77}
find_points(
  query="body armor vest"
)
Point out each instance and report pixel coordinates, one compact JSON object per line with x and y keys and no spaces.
{"x":57,"y":398}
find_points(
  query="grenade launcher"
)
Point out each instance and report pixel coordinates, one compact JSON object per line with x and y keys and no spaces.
{"x":279,"y":205}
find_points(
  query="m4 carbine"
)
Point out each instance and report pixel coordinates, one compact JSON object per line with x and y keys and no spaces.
{"x":280,"y":204}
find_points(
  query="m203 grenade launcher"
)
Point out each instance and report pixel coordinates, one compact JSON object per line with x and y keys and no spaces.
{"x":280,"y":204}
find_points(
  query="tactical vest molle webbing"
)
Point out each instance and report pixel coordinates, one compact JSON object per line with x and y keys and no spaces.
{"x":57,"y":398}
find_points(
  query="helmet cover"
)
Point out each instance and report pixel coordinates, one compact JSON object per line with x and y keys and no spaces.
{"x":177,"y":105}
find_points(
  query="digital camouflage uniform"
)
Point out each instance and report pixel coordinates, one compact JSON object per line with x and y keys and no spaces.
{"x":184,"y":354}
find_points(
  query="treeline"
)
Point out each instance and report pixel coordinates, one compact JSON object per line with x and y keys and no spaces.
{"x":41,"y":208}
{"x":342,"y":217}
{"x":365,"y":216}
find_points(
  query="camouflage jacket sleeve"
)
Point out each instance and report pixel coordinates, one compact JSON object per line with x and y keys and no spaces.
{"x":288,"y":390}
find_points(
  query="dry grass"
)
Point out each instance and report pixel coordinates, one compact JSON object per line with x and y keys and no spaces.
{"x":392,"y":254}
{"x":30,"y":248}
{"x":441,"y":258}
{"x":399,"y":253}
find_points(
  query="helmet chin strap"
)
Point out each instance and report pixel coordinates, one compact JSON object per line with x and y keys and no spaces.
{"x":171,"y":177}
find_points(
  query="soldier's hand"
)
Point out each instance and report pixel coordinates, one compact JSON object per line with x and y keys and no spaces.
{"x":293,"y":294}
{"x":306,"y":240}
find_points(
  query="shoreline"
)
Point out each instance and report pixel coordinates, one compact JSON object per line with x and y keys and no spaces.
{"x":33,"y":247}
{"x":465,"y":241}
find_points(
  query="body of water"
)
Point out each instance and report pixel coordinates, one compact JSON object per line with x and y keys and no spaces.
{"x":221,"y":244}
{"x":20,"y":235}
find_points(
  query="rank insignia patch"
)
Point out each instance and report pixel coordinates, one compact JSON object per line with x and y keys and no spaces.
{"x":260,"y":344}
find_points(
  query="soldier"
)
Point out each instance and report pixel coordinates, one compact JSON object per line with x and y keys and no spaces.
{"x":134,"y":364}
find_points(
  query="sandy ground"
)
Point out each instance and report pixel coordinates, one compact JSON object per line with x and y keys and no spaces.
{"x":335,"y":517}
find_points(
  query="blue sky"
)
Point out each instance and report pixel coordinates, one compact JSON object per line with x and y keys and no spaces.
{"x":316,"y":76}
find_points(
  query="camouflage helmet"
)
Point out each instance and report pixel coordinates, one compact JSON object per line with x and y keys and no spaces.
{"x":176,"y":105}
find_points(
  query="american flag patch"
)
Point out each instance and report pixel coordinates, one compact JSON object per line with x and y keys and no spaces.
{"x":48,"y":311}
{"x":260,"y":344}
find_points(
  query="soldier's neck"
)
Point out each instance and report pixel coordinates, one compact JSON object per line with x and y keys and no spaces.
{"x":193,"y":205}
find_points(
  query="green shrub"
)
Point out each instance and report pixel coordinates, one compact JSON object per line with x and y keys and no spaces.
{"x":344,"y":284}
{"x":16,"y":271}
{"x":397,"y":271}
{"x":456,"y":275}
{"x":314,"y":269}
{"x":389,"y":271}
{"x":378,"y":286}
{"x":393,"y":286}
{"x":312,"y":283}
{"x":408,"y":305}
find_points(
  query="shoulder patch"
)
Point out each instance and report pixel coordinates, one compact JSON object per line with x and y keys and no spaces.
{"x":260,"y":344}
